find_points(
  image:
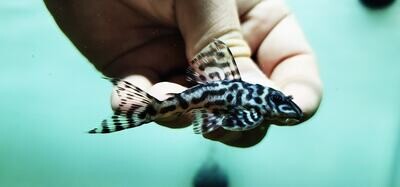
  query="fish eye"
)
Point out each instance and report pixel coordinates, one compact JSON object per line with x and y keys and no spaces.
{"x":276,"y":98}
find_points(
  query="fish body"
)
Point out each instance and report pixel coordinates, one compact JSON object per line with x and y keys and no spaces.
{"x":221,"y":99}
{"x":228,"y":99}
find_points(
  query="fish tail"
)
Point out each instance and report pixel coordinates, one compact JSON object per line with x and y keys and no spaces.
{"x":136,"y":107}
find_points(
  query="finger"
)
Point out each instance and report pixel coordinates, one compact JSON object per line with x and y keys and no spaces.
{"x":258,"y":21}
{"x":285,"y":40}
{"x":251,"y":73}
{"x":283,"y":53}
{"x":156,"y":59}
{"x":239,"y":138}
{"x":223,"y":135}
{"x":304,"y":86}
{"x":160,"y":91}
{"x":180,"y":79}
{"x":140,"y":81}
{"x":212,"y":19}
{"x":164,"y":90}
{"x":208,"y":19}
{"x":250,"y":138}
{"x":292,"y":65}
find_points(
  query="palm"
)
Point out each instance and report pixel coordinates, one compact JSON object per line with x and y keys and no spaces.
{"x":141,"y":38}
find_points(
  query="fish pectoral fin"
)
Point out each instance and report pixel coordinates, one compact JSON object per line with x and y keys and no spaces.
{"x":205,"y":122}
{"x":243,"y":119}
{"x":215,"y":62}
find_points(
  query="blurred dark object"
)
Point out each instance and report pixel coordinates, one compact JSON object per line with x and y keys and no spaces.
{"x":377,"y":4}
{"x":210,"y":175}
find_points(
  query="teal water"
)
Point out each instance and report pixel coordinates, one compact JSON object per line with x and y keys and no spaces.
{"x":50,"y":96}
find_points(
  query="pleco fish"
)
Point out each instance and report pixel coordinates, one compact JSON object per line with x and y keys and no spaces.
{"x":221,"y":99}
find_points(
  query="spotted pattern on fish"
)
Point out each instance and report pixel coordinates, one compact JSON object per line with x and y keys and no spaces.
{"x":221,"y":99}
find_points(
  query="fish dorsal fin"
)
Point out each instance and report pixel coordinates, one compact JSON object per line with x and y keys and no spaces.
{"x":205,"y":122}
{"x":214,"y":62}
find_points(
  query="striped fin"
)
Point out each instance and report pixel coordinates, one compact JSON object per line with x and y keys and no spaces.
{"x":136,"y":108}
{"x":215,"y":62}
{"x":243,"y":119}
{"x":205,"y":122}
{"x":113,"y":124}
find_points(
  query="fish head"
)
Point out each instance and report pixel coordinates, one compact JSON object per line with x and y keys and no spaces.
{"x":283,"y":111}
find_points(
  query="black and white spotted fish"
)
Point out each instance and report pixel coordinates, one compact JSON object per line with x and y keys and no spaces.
{"x":220,"y":100}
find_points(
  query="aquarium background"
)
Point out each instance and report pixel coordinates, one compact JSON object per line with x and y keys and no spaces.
{"x":50,"y":96}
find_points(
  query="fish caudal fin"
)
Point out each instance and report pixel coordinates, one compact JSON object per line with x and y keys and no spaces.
{"x":136,"y":107}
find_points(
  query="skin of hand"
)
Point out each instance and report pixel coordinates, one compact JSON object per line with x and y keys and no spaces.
{"x":149,"y":44}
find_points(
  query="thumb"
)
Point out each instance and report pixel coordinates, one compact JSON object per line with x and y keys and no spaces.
{"x":202,"y":21}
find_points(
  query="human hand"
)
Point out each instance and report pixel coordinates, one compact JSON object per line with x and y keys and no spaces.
{"x":149,"y":44}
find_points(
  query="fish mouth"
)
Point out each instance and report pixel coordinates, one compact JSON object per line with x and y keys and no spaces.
{"x":287,"y":121}
{"x":291,"y":121}
{"x":296,"y":117}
